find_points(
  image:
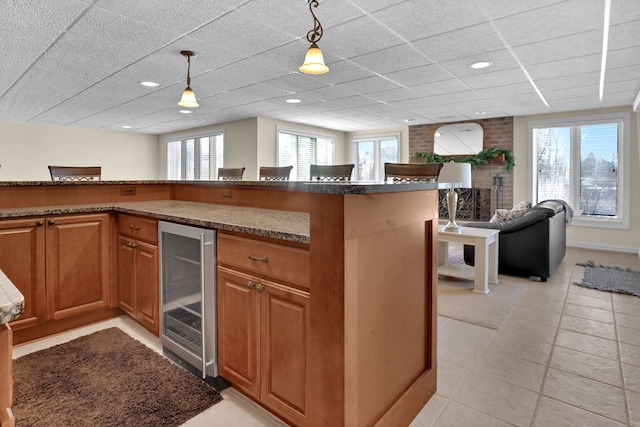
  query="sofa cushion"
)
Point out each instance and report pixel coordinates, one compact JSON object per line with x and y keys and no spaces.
{"x":502,"y":215}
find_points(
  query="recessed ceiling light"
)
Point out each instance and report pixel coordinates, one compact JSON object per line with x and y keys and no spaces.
{"x":293,"y":101}
{"x":150,"y":84}
{"x":437,"y":134}
{"x":126,"y":127}
{"x":408,"y":120}
{"x":479,"y":113}
{"x":185,"y":111}
{"x":481,"y":64}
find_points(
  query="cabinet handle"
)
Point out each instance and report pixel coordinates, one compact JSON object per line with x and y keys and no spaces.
{"x":251,"y":285}
{"x":252,"y":257}
{"x":51,"y":222}
{"x":39,"y":223}
{"x":133,"y":245}
{"x":260,"y":288}
{"x":134,"y":227}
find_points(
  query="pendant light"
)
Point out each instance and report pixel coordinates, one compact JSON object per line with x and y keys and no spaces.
{"x":188,"y":97}
{"x":314,"y":61}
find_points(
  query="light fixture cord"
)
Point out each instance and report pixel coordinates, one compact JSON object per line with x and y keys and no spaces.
{"x":314,"y":35}
{"x":189,"y":71}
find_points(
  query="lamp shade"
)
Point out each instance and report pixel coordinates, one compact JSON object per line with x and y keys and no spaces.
{"x":188,"y":99}
{"x":314,"y":61}
{"x":457,"y":173}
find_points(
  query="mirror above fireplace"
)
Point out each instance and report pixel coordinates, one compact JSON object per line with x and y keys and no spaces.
{"x":458,"y":139}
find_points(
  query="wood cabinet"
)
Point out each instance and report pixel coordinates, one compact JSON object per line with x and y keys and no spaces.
{"x":59,"y":263}
{"x":22,"y":259}
{"x":138,"y":286}
{"x":263,"y":325}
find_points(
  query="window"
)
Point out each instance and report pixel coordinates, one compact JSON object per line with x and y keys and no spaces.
{"x":372,"y":152}
{"x":195,"y":157}
{"x":583,"y":162}
{"x":302,"y":150}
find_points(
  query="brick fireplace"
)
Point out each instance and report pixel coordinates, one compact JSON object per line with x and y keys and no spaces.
{"x":480,"y":200}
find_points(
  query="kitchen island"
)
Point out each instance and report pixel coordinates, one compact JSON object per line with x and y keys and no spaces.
{"x":370,"y":334}
{"x":11,"y":307}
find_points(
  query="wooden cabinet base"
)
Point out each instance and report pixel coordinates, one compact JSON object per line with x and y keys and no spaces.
{"x":6,"y":378}
{"x":57,"y":326}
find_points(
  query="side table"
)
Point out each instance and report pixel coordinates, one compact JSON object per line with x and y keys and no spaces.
{"x":486,"y":256}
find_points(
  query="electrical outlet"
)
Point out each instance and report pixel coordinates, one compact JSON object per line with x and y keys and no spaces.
{"x":226,"y":193}
{"x":128,"y":191}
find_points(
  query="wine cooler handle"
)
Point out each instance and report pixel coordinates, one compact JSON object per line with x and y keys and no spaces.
{"x":205,"y":321}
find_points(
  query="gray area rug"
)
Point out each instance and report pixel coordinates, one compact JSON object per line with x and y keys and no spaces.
{"x":610,"y":279}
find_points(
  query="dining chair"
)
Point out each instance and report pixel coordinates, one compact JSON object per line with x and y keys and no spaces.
{"x":412,"y":172}
{"x":330,"y":173}
{"x":75,"y":173}
{"x":275,"y":173}
{"x":230,"y":174}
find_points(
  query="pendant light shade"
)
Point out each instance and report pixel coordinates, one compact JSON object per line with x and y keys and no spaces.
{"x":314,"y":61}
{"x":188,"y":97}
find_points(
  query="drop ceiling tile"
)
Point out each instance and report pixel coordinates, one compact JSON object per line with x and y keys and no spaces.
{"x":575,"y":45}
{"x":417,"y":19}
{"x":238,"y":33}
{"x":461,"y":43}
{"x":578,"y":80}
{"x":515,"y":99}
{"x":575,"y":104}
{"x":438,"y":88}
{"x":396,"y":58}
{"x":357,"y":37}
{"x":419,"y":75}
{"x":623,"y":57}
{"x":501,"y":8}
{"x":624,"y":11}
{"x":500,"y":60}
{"x":393,"y":95}
{"x":569,"y":93}
{"x":506,"y":90}
{"x":497,"y":78}
{"x":182,"y":17}
{"x":624,"y":36}
{"x":550,"y":22}
{"x":343,"y":71}
{"x":295,"y":83}
{"x":565,"y":67}
{"x":527,"y":109}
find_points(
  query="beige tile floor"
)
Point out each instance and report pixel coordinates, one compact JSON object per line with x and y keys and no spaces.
{"x":565,"y":356}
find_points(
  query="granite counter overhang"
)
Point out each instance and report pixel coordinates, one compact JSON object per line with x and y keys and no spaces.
{"x":11,"y":300}
{"x":275,"y":224}
{"x":351,"y":187}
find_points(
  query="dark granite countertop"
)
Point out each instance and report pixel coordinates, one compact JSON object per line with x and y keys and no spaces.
{"x":283,"y":225}
{"x":303,"y":186}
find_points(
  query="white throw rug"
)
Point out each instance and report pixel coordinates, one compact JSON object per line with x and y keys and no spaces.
{"x":457,"y":301}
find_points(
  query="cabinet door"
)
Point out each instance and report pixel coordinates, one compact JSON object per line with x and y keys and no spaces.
{"x":126,"y":276}
{"x":147,"y":286}
{"x":22,"y":260}
{"x":284,"y":314}
{"x":77,"y":251}
{"x":238,"y":333}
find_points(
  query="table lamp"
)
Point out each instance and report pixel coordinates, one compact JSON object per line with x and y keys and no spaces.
{"x":458,"y":175}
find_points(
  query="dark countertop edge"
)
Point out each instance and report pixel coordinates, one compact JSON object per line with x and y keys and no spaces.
{"x":303,"y":186}
{"x":95,"y":208}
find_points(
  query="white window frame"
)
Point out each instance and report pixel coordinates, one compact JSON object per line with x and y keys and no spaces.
{"x":621,"y":221}
{"x":297,"y":132}
{"x":376,"y":138}
{"x":213,"y":169}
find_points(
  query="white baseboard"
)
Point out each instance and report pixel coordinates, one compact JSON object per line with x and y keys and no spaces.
{"x":610,"y":248}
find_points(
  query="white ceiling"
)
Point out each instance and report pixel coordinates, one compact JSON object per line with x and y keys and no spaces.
{"x":392,"y":62}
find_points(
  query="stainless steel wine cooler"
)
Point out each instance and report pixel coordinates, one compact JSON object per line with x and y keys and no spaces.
{"x":188,"y":297}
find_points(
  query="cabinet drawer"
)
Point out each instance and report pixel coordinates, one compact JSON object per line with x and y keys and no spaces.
{"x":140,"y":228}
{"x":281,"y":262}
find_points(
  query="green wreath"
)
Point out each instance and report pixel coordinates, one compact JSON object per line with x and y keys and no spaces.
{"x":475,"y":160}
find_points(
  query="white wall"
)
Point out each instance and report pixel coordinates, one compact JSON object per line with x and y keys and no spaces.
{"x":598,"y":238}
{"x":27,"y":149}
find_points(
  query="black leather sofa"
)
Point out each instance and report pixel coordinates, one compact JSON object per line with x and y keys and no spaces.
{"x":533,"y":244}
